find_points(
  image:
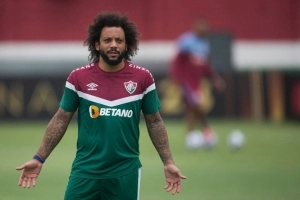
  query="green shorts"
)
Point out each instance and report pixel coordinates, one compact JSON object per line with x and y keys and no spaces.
{"x":120,"y":188}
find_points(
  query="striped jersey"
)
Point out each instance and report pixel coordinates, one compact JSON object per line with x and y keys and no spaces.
{"x":109,"y":106}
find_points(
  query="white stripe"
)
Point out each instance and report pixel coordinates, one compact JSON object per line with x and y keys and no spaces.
{"x":150,"y":88}
{"x":70,"y":86}
{"x":110,"y":103}
{"x":107,"y":102}
{"x":139,"y":183}
{"x":246,"y":54}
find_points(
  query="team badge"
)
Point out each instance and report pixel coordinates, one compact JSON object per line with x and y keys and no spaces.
{"x":130,"y":86}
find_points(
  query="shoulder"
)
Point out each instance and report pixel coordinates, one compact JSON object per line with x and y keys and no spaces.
{"x":141,"y":75}
{"x":141,"y":71}
{"x":82,"y":70}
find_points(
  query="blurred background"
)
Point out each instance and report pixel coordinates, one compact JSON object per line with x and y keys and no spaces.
{"x":255,"y":47}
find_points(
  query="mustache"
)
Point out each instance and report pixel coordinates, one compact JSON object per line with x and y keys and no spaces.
{"x":113,"y":51}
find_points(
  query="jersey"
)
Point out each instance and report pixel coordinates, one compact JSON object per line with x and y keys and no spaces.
{"x":191,"y":63}
{"x":109,"y":106}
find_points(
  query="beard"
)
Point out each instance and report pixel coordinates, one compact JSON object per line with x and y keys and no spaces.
{"x":111,"y":62}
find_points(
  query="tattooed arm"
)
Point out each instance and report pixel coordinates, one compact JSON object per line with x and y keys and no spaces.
{"x":54,"y":133}
{"x":159,"y":138}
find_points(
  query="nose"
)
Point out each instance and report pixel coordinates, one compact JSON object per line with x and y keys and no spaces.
{"x":113,"y":43}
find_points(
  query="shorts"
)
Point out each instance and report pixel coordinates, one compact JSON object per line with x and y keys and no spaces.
{"x":120,"y":188}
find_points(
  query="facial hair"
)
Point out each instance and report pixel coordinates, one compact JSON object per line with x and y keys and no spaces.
{"x":112,"y":62}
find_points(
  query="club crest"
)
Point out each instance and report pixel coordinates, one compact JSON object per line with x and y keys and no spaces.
{"x":130,"y":86}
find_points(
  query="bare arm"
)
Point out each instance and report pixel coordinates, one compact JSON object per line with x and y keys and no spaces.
{"x":159,"y":137}
{"x":54,"y":132}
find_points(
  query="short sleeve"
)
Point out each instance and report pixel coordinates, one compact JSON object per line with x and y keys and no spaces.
{"x":70,"y":99}
{"x":150,"y":101}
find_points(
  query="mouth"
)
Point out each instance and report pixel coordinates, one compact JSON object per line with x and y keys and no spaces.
{"x":113,"y":53}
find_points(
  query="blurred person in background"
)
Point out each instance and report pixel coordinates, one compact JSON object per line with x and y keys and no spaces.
{"x":109,"y":94}
{"x":190,"y":69}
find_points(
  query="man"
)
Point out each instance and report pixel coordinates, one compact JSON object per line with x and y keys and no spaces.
{"x":189,"y":68}
{"x":109,"y":95}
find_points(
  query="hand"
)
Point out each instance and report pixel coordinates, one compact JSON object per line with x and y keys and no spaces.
{"x":30,"y":173}
{"x":219,"y":83}
{"x":173,"y":178}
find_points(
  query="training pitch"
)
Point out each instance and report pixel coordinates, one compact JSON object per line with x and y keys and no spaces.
{"x":268,"y":167}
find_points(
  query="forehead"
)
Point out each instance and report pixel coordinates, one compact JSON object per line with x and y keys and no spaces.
{"x":112,"y":32}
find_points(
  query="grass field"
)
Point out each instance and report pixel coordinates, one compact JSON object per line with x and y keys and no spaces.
{"x":267,"y":168}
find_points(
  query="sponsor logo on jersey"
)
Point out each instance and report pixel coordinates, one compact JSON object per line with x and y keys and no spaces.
{"x":96,"y":112}
{"x":130,"y":86}
{"x":92,"y":86}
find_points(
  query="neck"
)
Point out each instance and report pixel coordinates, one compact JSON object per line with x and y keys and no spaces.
{"x":111,"y":68}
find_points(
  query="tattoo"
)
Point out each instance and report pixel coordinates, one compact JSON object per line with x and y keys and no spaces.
{"x":54,"y":132}
{"x":159,"y":137}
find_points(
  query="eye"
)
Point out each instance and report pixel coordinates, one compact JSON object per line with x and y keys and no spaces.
{"x":119,"y":40}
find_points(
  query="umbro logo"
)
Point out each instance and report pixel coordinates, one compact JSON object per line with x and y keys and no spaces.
{"x":92,"y":86}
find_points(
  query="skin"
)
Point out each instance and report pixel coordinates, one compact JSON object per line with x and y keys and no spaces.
{"x":201,"y":27}
{"x":159,"y":138}
{"x":112,"y":43}
{"x":54,"y":133}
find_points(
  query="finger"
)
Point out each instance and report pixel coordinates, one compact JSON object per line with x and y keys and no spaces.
{"x":33,"y":182}
{"x":28,"y":183}
{"x":20,"y":180}
{"x":21,"y":167}
{"x":24,"y":183}
{"x":177,"y":189}
{"x":175,"y":186}
{"x":181,"y":175}
{"x":170,"y":187}
{"x":166,"y":186}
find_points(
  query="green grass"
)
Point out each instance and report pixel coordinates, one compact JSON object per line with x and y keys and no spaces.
{"x":268,"y":167}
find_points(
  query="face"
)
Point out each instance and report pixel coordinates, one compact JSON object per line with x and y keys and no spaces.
{"x":112,"y":45}
{"x":201,"y":27}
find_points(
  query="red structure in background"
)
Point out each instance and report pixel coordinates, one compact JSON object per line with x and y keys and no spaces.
{"x":261,"y":21}
{"x":157,"y":20}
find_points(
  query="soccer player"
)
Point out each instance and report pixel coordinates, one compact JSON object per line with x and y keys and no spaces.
{"x":109,"y":95}
{"x":190,"y":66}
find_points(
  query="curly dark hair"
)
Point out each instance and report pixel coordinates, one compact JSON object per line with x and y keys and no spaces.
{"x":108,"y":19}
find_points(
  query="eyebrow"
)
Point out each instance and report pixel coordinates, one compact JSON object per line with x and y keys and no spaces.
{"x":118,"y":37}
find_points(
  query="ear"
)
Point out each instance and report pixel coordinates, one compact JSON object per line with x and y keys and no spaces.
{"x":97,"y":46}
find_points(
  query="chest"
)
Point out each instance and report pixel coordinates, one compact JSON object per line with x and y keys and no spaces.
{"x":111,"y":87}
